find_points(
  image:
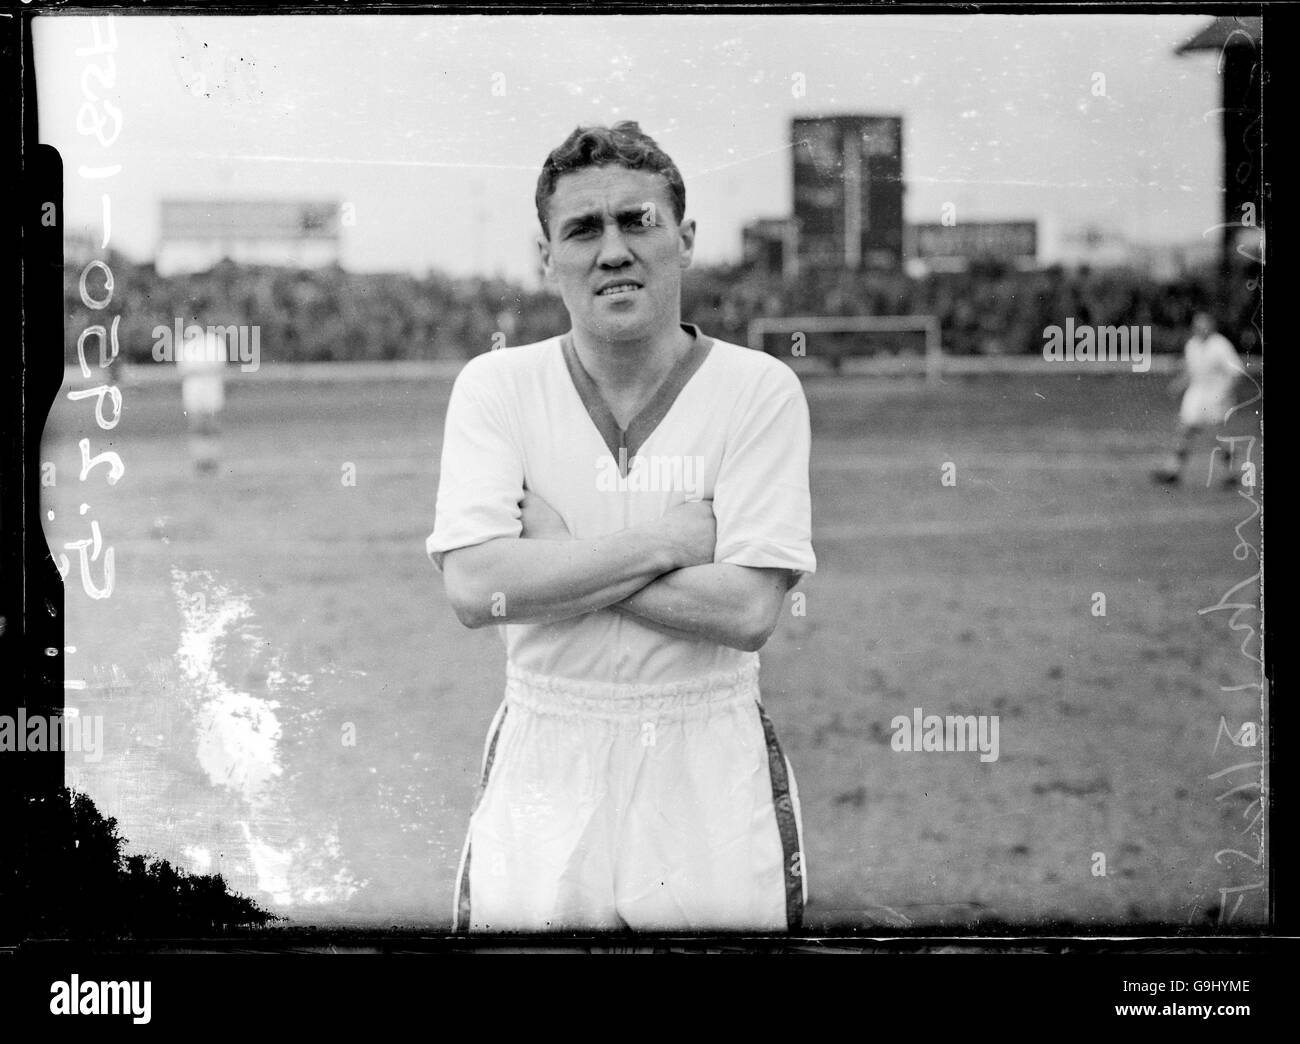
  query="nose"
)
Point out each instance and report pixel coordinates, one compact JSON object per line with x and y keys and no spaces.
{"x":613,"y":248}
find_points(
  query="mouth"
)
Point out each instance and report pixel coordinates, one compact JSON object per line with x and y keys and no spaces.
{"x":618,"y":289}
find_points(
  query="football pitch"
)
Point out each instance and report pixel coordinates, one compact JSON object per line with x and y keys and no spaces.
{"x":288,"y":699}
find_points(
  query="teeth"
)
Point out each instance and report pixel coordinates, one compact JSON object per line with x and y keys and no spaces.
{"x":621,"y":288}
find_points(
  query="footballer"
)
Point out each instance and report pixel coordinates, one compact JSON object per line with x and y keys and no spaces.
{"x":631,"y":779}
{"x":1211,"y":367}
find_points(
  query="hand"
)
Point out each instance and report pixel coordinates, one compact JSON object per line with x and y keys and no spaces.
{"x":541,"y":521}
{"x":692,"y":531}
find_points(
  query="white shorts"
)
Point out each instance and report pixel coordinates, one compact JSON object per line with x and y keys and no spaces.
{"x":609,"y":807}
{"x":203,"y":393}
{"x":1204,"y":408}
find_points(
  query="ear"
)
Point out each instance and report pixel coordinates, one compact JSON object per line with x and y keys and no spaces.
{"x":544,"y":253}
{"x":686,"y":242}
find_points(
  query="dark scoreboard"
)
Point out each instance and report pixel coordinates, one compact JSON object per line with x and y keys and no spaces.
{"x":848,"y":191}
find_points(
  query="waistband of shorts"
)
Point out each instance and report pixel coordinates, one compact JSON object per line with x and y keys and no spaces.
{"x":544,"y":692}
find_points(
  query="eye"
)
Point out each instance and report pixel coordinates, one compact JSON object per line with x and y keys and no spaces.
{"x":582,"y":232}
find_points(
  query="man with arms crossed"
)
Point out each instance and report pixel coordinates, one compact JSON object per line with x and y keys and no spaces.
{"x":631,"y":501}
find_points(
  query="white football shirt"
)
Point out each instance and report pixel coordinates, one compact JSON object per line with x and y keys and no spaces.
{"x":1213,"y":367}
{"x":736,"y":431}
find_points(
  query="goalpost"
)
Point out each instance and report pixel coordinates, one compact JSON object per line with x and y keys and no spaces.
{"x":807,"y":334}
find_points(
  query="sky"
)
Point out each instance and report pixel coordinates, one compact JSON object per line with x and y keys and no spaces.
{"x":434,"y":128}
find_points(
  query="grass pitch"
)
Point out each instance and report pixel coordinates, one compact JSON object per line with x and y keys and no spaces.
{"x":288,"y":698}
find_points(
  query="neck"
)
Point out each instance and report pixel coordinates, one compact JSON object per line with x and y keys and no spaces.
{"x":629,"y":367}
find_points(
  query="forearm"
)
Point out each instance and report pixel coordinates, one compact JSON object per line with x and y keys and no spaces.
{"x":731,"y":605}
{"x":539,"y":581}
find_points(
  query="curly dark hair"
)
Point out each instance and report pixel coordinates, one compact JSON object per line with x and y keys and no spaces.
{"x":622,"y":145}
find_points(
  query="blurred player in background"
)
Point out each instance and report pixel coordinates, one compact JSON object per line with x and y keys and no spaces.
{"x":1211,"y":367}
{"x":202,"y":368}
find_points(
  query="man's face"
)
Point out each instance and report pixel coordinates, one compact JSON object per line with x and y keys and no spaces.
{"x":616,"y":252}
{"x":1202,"y":326}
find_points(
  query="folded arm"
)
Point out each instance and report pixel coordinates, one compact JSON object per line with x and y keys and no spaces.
{"x":550,"y":576}
{"x":535,"y":581}
{"x":696,"y":600}
{"x":733,"y":605}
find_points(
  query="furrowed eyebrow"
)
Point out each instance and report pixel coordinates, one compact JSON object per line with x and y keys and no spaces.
{"x":580,"y":220}
{"x":636,"y":213}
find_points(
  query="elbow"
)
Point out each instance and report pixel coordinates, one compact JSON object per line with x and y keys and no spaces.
{"x":463,"y":608}
{"x":469,"y":614}
{"x":755,"y":631}
{"x":752,"y":641}
{"x":473,"y":587}
{"x":760,"y":621}
{"x":473,"y":608}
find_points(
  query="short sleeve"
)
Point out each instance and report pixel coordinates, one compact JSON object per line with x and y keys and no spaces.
{"x":1229,"y":361}
{"x":761,"y":498}
{"x":481,"y":479}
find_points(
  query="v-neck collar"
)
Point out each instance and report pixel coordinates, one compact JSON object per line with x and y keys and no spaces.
{"x":624,"y":443}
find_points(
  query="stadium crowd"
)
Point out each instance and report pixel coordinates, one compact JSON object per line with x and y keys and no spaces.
{"x":329,"y":314}
{"x":982,"y":311}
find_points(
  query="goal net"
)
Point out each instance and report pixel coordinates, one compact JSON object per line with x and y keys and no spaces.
{"x":893,"y":344}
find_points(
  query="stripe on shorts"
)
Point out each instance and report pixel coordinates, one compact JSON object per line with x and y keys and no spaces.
{"x":462,"y":902}
{"x":787,"y":824}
